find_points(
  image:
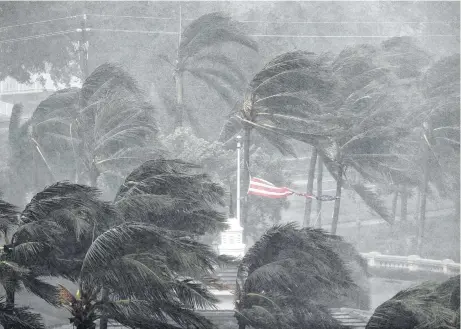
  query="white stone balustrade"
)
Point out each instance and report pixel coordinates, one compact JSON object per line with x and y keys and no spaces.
{"x":412,"y":263}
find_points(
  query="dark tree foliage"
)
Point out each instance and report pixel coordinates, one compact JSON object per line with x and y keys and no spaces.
{"x":290,"y":278}
{"x":174,"y":195}
{"x":426,"y":306}
{"x":103,"y":128}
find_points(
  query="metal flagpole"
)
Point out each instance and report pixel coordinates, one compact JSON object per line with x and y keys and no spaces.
{"x":239,"y":145}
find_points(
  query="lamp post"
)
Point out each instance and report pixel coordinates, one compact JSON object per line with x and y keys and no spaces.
{"x":239,"y":146}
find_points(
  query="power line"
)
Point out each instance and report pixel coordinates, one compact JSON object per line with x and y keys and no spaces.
{"x":38,"y":22}
{"x":37,"y":36}
{"x":134,"y":31}
{"x":343,"y":36}
{"x":332,"y":22}
{"x":143,"y":17}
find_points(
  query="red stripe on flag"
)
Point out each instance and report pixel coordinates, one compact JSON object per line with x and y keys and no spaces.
{"x":264,"y":188}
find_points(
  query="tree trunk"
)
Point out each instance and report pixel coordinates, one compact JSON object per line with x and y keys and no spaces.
{"x":179,"y":98}
{"x":339,"y":184}
{"x":404,"y":203}
{"x":9,"y":302}
{"x":94,"y":174}
{"x":422,"y":206}
{"x":319,"y":190}
{"x":456,"y":202}
{"x":418,"y":202}
{"x":394,"y":204}
{"x":104,"y":319}
{"x":246,"y":180}
{"x":310,"y":187}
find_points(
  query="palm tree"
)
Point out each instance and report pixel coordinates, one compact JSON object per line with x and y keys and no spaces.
{"x":292,"y":86}
{"x":290,"y":277}
{"x":14,"y":277}
{"x":131,"y":257}
{"x":50,"y":239}
{"x":19,"y":317}
{"x":438,"y":119}
{"x":23,"y":160}
{"x":63,"y":222}
{"x":100,"y":130}
{"x":8,"y":218}
{"x":173,"y":194}
{"x":216,"y":70}
{"x":426,"y":306}
{"x":373,"y":87}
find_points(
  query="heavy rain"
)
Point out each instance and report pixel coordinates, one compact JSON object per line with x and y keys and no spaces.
{"x":229,"y":164}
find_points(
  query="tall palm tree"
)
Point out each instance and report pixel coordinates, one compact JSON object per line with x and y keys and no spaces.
{"x":438,"y":120}
{"x":372,"y":90}
{"x":105,"y":128}
{"x":23,"y":160}
{"x":291,"y":87}
{"x":290,"y":277}
{"x":216,"y":70}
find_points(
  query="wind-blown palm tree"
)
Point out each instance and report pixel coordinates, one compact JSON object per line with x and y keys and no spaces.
{"x":173,"y":194}
{"x":436,"y":155}
{"x":105,"y":128}
{"x":358,"y":126}
{"x":14,"y":277}
{"x":19,"y":317}
{"x":23,"y":161}
{"x":290,"y":88}
{"x":426,"y":306}
{"x":62,"y":224}
{"x":290,"y":277}
{"x":216,"y":70}
{"x":149,"y":273}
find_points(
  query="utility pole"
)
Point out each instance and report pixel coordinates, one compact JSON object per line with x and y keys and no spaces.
{"x":83,"y":48}
{"x":239,"y":146}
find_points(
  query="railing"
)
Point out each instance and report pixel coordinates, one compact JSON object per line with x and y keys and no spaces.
{"x":412,"y":263}
{"x":376,"y":260}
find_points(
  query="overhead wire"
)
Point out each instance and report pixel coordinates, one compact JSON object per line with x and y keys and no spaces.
{"x":133,"y":31}
{"x":37,"y":36}
{"x":38,"y":22}
{"x":128,"y":16}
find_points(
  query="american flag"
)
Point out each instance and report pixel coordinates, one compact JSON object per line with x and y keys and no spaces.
{"x":262,"y":187}
{"x":266,"y":189}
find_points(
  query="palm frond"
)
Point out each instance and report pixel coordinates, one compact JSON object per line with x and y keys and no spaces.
{"x":210,"y":30}
{"x":19,"y":317}
{"x":224,"y":61}
{"x":45,"y":291}
{"x":124,"y":239}
{"x":106,"y":77}
{"x":213,"y":83}
{"x":228,"y":78}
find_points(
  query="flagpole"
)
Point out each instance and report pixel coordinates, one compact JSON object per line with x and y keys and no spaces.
{"x":239,"y":145}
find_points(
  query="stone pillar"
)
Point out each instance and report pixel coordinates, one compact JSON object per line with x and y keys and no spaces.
{"x":413,"y":262}
{"x":445,"y":263}
{"x":371,"y":258}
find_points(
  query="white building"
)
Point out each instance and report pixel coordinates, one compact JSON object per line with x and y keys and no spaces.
{"x":29,"y":94}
